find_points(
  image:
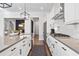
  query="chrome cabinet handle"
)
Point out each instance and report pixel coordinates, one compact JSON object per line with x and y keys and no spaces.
{"x":20,"y":51}
{"x":64,"y":48}
{"x":23,"y":41}
{"x":24,"y":45}
{"x":56,"y":42}
{"x":53,"y":45}
{"x":29,"y":44}
{"x":13,"y":49}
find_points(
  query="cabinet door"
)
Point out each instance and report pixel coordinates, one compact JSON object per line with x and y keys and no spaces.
{"x":57,"y":49}
{"x":76,"y":11}
{"x":66,"y":51}
{"x":28,"y":46}
{"x":69,"y":11}
{"x":14,"y":50}
{"x":24,"y":49}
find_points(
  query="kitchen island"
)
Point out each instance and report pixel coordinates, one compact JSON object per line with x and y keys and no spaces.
{"x":17,"y":43}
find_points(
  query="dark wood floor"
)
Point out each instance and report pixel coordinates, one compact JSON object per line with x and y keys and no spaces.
{"x":39,"y":48}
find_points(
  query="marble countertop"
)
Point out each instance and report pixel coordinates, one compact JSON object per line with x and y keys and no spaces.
{"x":70,"y":42}
{"x":10,"y":41}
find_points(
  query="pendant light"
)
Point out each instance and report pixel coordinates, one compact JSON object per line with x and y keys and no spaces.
{"x":24,"y":13}
{"x":5,"y":5}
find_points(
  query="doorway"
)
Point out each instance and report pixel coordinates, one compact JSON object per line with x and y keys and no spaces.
{"x":45,"y":30}
{"x":35,"y":30}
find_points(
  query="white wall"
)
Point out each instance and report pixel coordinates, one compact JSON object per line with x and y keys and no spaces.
{"x":5,"y":14}
{"x":42,"y":18}
{"x":36,"y":27}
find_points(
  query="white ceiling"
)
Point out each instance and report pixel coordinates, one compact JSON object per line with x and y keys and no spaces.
{"x":31,"y":7}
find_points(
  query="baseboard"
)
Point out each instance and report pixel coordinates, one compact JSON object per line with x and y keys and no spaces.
{"x":29,"y":52}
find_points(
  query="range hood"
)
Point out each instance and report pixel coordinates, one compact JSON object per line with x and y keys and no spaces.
{"x":60,"y":15}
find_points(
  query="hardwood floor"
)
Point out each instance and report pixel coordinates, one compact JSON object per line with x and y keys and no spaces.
{"x":39,"y":48}
{"x":36,"y":40}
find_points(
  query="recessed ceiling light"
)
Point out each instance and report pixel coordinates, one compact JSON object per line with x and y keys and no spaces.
{"x":42,"y":8}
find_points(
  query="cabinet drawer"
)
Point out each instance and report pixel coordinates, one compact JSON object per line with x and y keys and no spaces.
{"x":67,"y":51}
{"x":6,"y":53}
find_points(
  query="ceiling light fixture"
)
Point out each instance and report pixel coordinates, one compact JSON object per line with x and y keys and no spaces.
{"x":42,"y":8}
{"x":5,"y":5}
{"x":24,"y":13}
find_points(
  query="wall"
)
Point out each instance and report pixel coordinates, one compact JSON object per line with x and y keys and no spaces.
{"x":36,"y":27}
{"x":5,"y":14}
{"x":42,"y":19}
{"x":72,"y":30}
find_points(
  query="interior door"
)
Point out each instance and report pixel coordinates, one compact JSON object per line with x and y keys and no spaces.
{"x":45,"y":30}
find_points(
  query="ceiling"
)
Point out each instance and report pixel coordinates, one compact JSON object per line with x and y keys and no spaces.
{"x":31,"y":7}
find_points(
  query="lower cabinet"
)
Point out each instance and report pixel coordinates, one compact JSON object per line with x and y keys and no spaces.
{"x":6,"y":52}
{"x":25,"y":48}
{"x":14,"y":50}
{"x":59,"y":49}
{"x":22,"y":48}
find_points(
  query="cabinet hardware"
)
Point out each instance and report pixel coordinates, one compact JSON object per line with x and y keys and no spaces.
{"x":52,"y":51}
{"x":13,"y":49}
{"x":23,"y":41}
{"x":29,"y":45}
{"x":64,"y":48}
{"x":53,"y":45}
{"x":55,"y":41}
{"x":20,"y":51}
{"x":24,"y":44}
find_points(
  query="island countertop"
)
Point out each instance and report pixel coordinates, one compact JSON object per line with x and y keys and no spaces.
{"x":11,"y":42}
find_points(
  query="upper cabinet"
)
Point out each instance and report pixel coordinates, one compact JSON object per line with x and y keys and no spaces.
{"x":71,"y":13}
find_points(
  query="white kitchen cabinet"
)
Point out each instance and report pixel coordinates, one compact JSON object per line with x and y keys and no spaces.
{"x":76,"y":7}
{"x":71,"y":13}
{"x":66,"y":51}
{"x":51,"y":45}
{"x":24,"y":49}
{"x":14,"y":50}
{"x":25,"y":46}
{"x":59,"y":49}
{"x":21,"y":48}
